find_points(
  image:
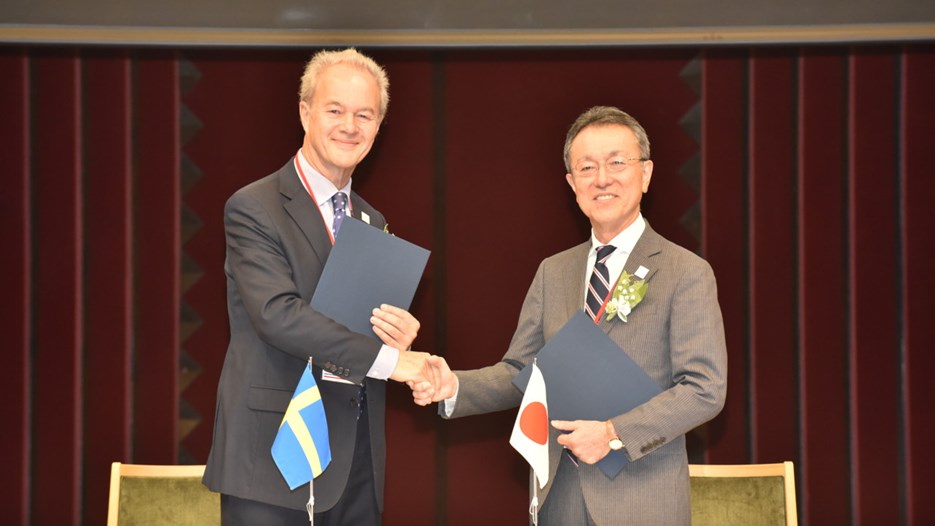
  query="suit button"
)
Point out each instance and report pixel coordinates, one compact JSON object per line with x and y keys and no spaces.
{"x":355,"y":402}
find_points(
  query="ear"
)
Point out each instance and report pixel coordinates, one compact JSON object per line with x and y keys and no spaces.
{"x":570,"y":179}
{"x":304,"y":111}
{"x":647,"y":175}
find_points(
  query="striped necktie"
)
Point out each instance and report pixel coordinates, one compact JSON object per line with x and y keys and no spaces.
{"x":599,"y":284}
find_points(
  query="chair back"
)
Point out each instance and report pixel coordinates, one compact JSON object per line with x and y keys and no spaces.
{"x":144,"y":495}
{"x":744,"y":494}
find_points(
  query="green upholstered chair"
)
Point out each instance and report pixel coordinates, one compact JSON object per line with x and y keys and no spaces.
{"x":142,"y":495}
{"x":745,"y":494}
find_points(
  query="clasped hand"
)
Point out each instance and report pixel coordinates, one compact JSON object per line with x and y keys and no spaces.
{"x":441,"y":385}
{"x":427,"y":375}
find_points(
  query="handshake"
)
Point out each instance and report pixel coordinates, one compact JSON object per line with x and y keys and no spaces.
{"x":429,"y":377}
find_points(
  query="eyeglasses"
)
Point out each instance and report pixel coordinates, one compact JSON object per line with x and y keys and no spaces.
{"x":612,"y":165}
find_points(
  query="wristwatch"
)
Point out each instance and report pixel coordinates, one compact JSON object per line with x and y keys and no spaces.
{"x":615,"y":444}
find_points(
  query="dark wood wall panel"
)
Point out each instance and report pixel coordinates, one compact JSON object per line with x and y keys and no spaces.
{"x":216,"y":88}
{"x":400,"y":179}
{"x":491,"y":233}
{"x":16,"y":282}
{"x":108,"y":276}
{"x":824,"y":473}
{"x":771,"y":147}
{"x":874,"y":287}
{"x":724,"y":213}
{"x":918,"y":280}
{"x":57,"y":372}
{"x":156,"y":256}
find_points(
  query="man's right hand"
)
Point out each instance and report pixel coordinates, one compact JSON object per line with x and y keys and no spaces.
{"x":413,"y":368}
{"x":442,"y":386}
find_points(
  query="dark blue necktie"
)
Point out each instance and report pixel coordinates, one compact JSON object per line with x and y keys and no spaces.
{"x":599,"y":284}
{"x":339,"y":201}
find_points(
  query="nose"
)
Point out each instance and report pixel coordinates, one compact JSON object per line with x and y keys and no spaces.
{"x":603,"y":177}
{"x":348,"y":124}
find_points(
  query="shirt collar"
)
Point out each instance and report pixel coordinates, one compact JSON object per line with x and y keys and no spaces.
{"x":322,"y":187}
{"x":626,"y":240}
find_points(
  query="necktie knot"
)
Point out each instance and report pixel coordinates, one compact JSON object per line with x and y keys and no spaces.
{"x":604,"y":252}
{"x":339,"y":202}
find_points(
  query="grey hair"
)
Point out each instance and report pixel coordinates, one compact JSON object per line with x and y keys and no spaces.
{"x":349,"y":56}
{"x":604,"y":116}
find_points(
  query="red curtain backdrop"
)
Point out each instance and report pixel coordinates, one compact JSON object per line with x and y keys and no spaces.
{"x":801,"y":174}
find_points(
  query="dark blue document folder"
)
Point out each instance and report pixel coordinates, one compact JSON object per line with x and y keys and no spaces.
{"x":589,"y":377}
{"x":366,"y":268}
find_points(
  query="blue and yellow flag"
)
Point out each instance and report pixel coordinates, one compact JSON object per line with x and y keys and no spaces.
{"x":301,"y":449}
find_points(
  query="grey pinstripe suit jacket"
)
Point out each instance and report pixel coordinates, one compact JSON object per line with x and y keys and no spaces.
{"x":675,"y":334}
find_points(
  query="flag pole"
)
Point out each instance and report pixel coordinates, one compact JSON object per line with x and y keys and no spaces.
{"x":534,"y":504}
{"x":311,"y":502}
{"x":310,"y":506}
{"x":301,"y":449}
{"x":531,"y":434}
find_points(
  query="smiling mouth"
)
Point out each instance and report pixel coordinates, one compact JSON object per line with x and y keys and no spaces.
{"x":347,"y":145}
{"x":604,"y":197}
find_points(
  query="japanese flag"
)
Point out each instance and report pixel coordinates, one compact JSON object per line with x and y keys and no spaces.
{"x":531,"y":431}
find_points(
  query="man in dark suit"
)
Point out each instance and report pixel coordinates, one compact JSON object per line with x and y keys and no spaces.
{"x":279,"y":233}
{"x":675,"y":333}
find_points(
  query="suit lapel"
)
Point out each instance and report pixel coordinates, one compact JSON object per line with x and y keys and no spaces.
{"x":362,"y":207}
{"x":647,"y":247}
{"x":644,"y":255}
{"x":357,"y":209}
{"x":360,"y":210}
{"x":574,"y":280}
{"x":299,"y":205}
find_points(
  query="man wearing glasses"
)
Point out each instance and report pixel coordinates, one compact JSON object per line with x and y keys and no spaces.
{"x":674,"y":331}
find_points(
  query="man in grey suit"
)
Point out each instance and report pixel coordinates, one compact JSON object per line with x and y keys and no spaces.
{"x":279,"y":233}
{"x":675,"y":333}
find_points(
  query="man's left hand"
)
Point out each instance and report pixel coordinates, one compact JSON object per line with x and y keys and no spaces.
{"x":588,"y":439}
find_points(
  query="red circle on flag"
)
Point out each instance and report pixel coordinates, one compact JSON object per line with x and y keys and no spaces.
{"x":534,"y":422}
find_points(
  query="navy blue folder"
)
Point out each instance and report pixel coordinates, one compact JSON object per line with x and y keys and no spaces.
{"x":589,"y":377}
{"x":366,"y":268}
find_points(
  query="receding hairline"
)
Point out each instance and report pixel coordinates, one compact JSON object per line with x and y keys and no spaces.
{"x":365,"y":74}
{"x":324,"y":60}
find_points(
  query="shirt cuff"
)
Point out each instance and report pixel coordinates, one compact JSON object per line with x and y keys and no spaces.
{"x":448,"y":404}
{"x":385,"y":363}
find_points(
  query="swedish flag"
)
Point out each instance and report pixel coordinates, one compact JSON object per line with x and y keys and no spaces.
{"x":301,"y":449}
